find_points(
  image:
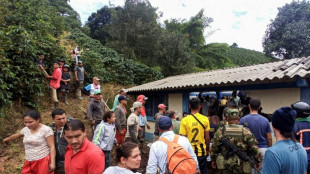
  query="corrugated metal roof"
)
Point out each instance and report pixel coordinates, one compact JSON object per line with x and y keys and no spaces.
{"x":279,"y":71}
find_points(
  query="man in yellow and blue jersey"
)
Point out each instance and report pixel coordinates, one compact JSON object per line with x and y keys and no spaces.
{"x":196,"y":128}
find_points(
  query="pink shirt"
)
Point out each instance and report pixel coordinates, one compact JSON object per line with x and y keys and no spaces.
{"x":55,"y":83}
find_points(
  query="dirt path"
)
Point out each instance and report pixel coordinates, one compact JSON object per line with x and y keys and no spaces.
{"x":12,"y":154}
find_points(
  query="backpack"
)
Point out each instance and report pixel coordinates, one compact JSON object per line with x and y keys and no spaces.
{"x":178,"y":159}
{"x":86,"y":90}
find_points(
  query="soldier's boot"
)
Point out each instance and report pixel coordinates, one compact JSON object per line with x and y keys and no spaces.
{"x":65,"y":98}
{"x":56,"y":105}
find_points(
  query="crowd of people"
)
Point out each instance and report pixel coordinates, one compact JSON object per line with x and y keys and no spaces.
{"x":221,"y":136}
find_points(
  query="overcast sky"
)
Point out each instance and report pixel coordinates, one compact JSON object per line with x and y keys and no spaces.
{"x":241,"y":21}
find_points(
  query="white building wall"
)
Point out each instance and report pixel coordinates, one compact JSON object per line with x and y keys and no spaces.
{"x":273,"y":99}
{"x":175,"y":102}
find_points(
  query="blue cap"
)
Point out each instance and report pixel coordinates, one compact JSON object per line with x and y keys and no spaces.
{"x":122,"y":97}
{"x":164,"y":123}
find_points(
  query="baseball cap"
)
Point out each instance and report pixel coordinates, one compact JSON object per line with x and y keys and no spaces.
{"x":136,"y":105}
{"x":141,"y":97}
{"x":122,"y":97}
{"x":80,"y":62}
{"x":97,"y":93}
{"x":161,"y":106}
{"x":164,"y":123}
{"x":66,"y":66}
{"x":62,"y":60}
{"x":96,"y":78}
{"x":122,"y":90}
{"x":232,"y":113}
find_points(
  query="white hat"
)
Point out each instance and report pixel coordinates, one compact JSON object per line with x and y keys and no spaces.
{"x":136,"y":105}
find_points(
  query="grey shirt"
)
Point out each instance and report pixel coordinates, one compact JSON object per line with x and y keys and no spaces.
{"x":80,"y":72}
{"x":120,"y":121}
{"x":95,"y":110}
{"x":205,"y":108}
{"x":157,"y":117}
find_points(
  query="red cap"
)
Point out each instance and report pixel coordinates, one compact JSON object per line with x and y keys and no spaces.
{"x":161,"y":106}
{"x":140,"y":98}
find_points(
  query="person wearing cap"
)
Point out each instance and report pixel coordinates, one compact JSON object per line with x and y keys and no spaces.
{"x":116,"y":102}
{"x":176,"y":123}
{"x":95,"y":111}
{"x":159,"y":149}
{"x":242,"y":138}
{"x":121,"y":122}
{"x":286,"y":156}
{"x":133,"y":123}
{"x":142,"y":118}
{"x":158,"y":115}
{"x":54,"y":82}
{"x":65,"y":83}
{"x":94,"y":87}
{"x":79,"y":72}
{"x":302,"y":127}
{"x":196,"y":128}
{"x":259,"y":126}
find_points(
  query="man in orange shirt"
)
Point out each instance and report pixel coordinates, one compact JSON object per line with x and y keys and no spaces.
{"x":82,"y":156}
{"x":54,"y":82}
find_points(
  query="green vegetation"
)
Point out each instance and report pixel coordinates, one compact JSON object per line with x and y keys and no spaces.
{"x":288,"y":35}
{"x":243,"y":57}
{"x":124,"y":45}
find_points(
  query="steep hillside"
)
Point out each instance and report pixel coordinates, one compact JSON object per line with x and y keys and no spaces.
{"x":243,"y":57}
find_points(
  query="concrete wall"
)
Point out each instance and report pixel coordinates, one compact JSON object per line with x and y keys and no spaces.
{"x":273,"y":99}
{"x":175,"y":102}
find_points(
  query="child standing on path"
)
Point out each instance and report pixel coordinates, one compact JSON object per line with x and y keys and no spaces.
{"x":104,"y":136}
{"x":64,"y":84}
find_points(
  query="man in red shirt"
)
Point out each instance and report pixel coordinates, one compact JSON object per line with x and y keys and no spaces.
{"x":54,"y":82}
{"x":82,"y":156}
{"x":142,"y":118}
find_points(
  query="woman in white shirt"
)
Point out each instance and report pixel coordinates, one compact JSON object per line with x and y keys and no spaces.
{"x":39,"y":145}
{"x":128,"y":158}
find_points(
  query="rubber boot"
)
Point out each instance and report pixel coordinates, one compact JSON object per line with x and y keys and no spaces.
{"x":65,"y":98}
{"x":56,"y":105}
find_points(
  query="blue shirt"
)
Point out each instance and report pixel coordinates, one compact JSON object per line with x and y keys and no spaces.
{"x":285,"y":157}
{"x":259,"y":126}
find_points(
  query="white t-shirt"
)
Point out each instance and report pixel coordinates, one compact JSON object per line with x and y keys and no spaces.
{"x":118,"y":170}
{"x":36,"y":146}
{"x":133,"y":119}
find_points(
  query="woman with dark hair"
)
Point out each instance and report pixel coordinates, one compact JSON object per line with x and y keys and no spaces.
{"x":39,"y":145}
{"x":128,"y":158}
{"x":286,"y":156}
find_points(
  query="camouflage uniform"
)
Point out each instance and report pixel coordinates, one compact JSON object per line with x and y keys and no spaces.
{"x":245,"y":142}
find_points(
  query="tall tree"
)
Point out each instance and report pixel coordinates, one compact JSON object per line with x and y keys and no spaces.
{"x":288,"y":36}
{"x":97,"y":22}
{"x":135,"y":31}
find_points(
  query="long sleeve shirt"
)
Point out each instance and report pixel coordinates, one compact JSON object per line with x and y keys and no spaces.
{"x":120,"y":121}
{"x":115,"y":103}
{"x":159,"y":151}
{"x":104,"y":136}
{"x":95,"y":110}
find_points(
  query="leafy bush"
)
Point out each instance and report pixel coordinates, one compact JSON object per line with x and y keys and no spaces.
{"x":111,"y":66}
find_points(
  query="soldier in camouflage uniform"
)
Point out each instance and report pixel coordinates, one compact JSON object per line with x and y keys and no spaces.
{"x":240,"y":136}
{"x":59,"y":120}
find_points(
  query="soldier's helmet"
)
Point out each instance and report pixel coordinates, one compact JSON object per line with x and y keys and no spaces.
{"x":232,"y":113}
{"x":302,"y":109}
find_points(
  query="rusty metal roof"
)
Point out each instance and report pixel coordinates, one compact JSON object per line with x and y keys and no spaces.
{"x":279,"y":71}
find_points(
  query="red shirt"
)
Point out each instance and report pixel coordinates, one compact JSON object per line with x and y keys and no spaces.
{"x":89,"y":160}
{"x":55,"y":83}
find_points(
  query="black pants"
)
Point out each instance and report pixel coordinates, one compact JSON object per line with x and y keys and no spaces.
{"x":107,"y":155}
{"x":202,"y":161}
